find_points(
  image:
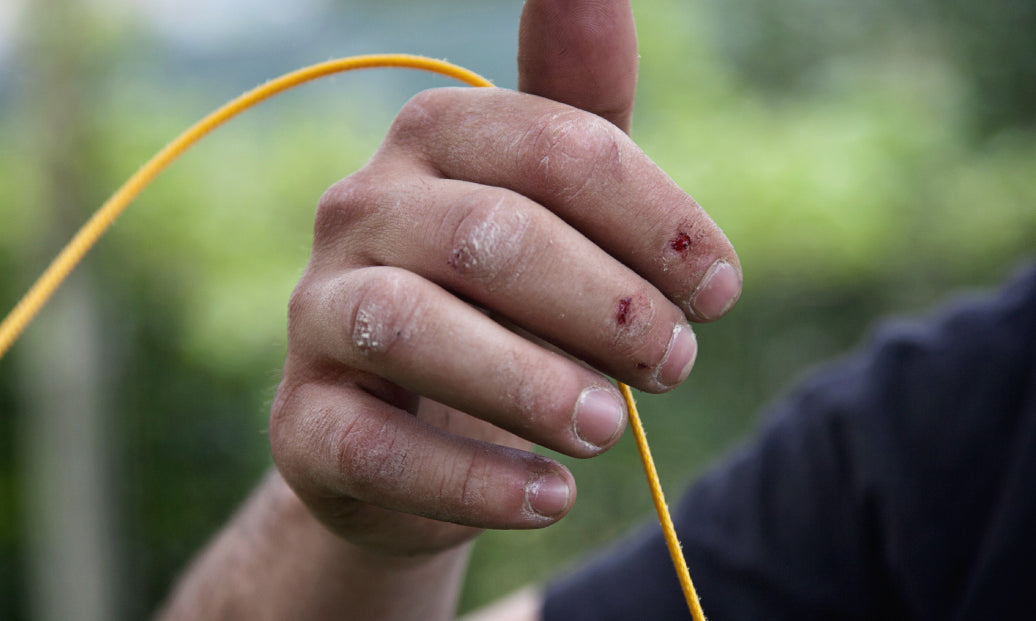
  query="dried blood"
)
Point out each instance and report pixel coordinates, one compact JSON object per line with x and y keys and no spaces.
{"x":681,"y":242}
{"x":622,"y":316}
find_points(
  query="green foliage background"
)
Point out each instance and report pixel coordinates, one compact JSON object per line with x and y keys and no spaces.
{"x":861,"y":162}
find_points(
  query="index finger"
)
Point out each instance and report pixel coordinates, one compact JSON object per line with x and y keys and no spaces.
{"x":589,"y":173}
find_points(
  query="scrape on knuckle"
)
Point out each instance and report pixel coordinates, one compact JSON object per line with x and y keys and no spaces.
{"x":383,"y":313}
{"x":488,"y":243}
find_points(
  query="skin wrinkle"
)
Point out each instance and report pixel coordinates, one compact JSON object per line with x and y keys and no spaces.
{"x":341,"y":444}
{"x":521,"y":393}
{"x":528,"y":142}
{"x":574,"y":146}
{"x":470,"y":498}
{"x":395,"y":467}
{"x":382,"y":459}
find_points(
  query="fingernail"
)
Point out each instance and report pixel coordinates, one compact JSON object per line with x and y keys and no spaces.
{"x":547,"y":495}
{"x":679,"y":357}
{"x":718,"y":291}
{"x":599,"y":416}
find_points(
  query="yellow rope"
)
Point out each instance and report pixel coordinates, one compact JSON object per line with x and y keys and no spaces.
{"x":666,"y":521}
{"x":33,"y":301}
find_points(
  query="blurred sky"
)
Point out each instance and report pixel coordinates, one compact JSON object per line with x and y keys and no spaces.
{"x":196,"y":24}
{"x":251,"y":39}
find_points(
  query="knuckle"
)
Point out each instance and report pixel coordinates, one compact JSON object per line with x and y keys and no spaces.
{"x":282,"y":413}
{"x":291,"y":426}
{"x":369,"y":452}
{"x":312,"y":309}
{"x":569,"y":149}
{"x":489,"y":243}
{"x":383,"y":313}
{"x":418,"y":118}
{"x":298,"y":303}
{"x":342,"y":206}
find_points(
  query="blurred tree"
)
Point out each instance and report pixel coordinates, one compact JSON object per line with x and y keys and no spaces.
{"x":786,"y":46}
{"x":68,"y":509}
{"x":994,"y":42}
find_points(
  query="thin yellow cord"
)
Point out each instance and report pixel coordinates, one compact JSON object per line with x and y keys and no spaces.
{"x":33,"y":301}
{"x":664,"y":519}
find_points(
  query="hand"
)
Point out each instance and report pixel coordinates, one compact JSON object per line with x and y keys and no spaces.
{"x":495,"y":243}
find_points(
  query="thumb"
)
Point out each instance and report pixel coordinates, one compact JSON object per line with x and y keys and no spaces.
{"x":582,"y":53}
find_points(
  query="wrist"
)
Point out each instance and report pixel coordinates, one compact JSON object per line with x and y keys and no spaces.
{"x":276,"y":561}
{"x":369,"y":582}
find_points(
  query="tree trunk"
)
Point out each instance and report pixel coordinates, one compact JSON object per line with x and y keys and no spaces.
{"x":67,"y":493}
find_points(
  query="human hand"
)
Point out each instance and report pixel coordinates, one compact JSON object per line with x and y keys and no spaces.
{"x":495,"y":243}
